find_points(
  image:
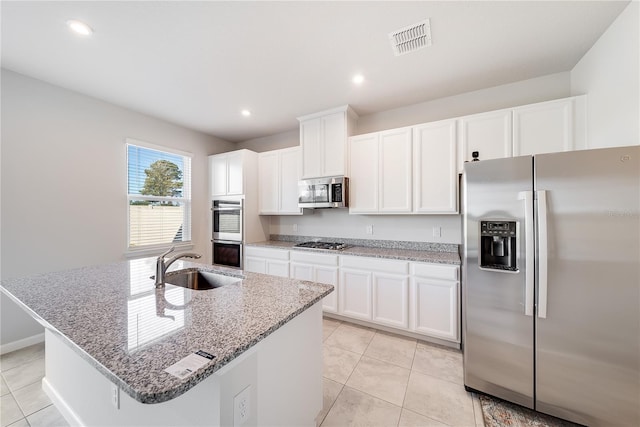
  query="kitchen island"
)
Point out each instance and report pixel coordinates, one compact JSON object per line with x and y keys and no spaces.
{"x":108,"y":329}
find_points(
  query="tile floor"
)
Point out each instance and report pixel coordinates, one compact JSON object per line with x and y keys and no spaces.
{"x":371,"y":378}
{"x":23,"y":402}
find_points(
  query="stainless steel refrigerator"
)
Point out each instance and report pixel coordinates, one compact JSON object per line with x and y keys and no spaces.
{"x":551,"y":282}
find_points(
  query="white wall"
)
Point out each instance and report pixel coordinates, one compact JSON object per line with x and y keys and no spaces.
{"x":273,"y":142}
{"x":339,"y":224}
{"x":609,"y":73}
{"x":64,"y":181}
{"x":495,"y":98}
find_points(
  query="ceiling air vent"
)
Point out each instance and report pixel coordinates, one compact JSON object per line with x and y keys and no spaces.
{"x":411,"y":38}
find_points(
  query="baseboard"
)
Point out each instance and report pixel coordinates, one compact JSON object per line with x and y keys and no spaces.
{"x":25,"y":342}
{"x":64,"y":409}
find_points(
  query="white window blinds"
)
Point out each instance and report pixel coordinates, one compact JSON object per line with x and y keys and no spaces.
{"x":159,"y":196}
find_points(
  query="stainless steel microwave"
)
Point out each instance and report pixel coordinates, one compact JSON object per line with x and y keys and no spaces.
{"x":329,"y":192}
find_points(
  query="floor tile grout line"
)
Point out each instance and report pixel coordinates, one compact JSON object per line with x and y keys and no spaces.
{"x":333,"y":403}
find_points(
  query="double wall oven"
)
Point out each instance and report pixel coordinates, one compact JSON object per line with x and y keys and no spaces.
{"x":227,"y":219}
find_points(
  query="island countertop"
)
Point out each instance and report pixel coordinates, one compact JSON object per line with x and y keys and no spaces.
{"x":131,"y":331}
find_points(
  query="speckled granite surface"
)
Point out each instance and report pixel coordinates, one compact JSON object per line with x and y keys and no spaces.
{"x":115,"y":318}
{"x":449,"y":256}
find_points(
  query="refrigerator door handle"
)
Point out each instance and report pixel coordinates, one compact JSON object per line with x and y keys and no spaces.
{"x":527,"y":196}
{"x":541,"y":195}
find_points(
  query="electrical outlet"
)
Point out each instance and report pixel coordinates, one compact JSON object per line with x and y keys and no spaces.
{"x":369,"y":229}
{"x":241,"y":406}
{"x":295,"y":228}
{"x":437,"y":231}
{"x":115,"y":396}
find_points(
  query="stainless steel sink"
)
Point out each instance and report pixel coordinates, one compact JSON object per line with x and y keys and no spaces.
{"x":199,"y":279}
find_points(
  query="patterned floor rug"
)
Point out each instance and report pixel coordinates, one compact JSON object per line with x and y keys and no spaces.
{"x":498,"y":413}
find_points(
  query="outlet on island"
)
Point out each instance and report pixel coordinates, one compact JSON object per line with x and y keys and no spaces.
{"x":241,"y":408}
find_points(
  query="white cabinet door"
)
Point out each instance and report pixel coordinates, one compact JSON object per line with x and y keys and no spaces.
{"x":218,"y":175}
{"x":548,"y":127}
{"x":334,"y":140}
{"x":328,"y":276}
{"x":395,"y":171}
{"x":355,"y":294}
{"x":255,"y":265}
{"x":267,"y":261}
{"x":269,"y":182}
{"x":278,"y":268}
{"x":435,"y":175}
{"x":363,"y":183}
{"x":311,"y":148}
{"x":290,"y":174}
{"x":487,"y":133}
{"x":320,"y":274}
{"x":435,"y":305}
{"x":391,"y":300}
{"x":323,"y":138}
{"x":234,"y":174}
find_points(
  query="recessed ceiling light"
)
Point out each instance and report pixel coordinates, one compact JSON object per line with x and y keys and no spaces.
{"x":79,"y":27}
{"x":245,"y":113}
{"x":358,"y":79}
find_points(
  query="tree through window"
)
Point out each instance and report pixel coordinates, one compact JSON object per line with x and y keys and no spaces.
{"x":159,"y":195}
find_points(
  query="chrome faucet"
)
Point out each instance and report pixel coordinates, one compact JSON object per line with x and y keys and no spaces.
{"x":161,"y":265}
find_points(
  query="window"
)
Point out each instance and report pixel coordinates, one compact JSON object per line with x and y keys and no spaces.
{"x":159,"y":196}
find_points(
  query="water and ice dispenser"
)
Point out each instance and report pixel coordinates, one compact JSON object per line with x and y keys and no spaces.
{"x":498,"y":250}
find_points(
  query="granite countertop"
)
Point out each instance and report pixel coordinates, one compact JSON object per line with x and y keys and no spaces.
{"x":432,"y":256}
{"x":116,"y":319}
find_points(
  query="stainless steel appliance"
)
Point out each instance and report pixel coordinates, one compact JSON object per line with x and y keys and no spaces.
{"x":330,"y":192}
{"x":551,"y":303}
{"x":227,"y":219}
{"x":333,"y":246}
{"x":227,"y":253}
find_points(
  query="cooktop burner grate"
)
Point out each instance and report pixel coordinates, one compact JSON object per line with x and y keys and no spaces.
{"x":334,"y":246}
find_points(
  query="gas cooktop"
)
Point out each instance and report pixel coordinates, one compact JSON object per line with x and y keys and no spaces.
{"x":333,"y":246}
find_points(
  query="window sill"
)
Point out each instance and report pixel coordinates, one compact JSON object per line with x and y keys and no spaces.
{"x":156,"y":250}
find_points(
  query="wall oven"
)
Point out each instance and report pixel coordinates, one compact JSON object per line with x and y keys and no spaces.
{"x":227,"y":253}
{"x":227,"y":219}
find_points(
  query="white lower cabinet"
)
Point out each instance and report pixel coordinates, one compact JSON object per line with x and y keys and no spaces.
{"x":416,"y":297}
{"x":375,"y":289}
{"x":317,"y":268}
{"x":267,"y":261}
{"x":391,"y":300}
{"x":355,"y":295}
{"x":435,"y":300}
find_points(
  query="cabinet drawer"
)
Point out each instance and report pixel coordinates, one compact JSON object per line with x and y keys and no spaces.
{"x":375,"y":264}
{"x":253,"y":251}
{"x":313,"y":258}
{"x":443,"y":272}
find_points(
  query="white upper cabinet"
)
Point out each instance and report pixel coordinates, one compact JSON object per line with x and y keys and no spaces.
{"x":323,"y":138}
{"x":435,"y":175}
{"x":380,"y":165}
{"x":363,"y":183}
{"x":395,"y":171}
{"x":549,"y":127}
{"x":226,"y":172}
{"x":279,"y":173}
{"x":487,"y":133}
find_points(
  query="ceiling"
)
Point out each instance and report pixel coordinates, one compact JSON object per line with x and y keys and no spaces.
{"x":198,"y":64}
